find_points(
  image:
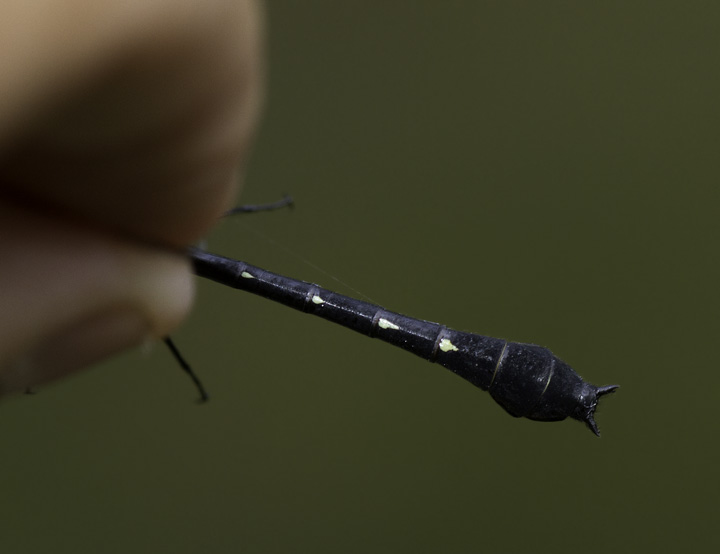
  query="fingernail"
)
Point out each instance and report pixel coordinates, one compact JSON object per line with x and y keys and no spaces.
{"x":77,"y":346}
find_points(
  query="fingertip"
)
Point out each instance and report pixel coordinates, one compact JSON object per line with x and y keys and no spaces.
{"x":74,"y":296}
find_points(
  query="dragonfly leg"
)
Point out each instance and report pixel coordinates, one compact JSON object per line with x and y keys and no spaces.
{"x":286,"y":201}
{"x":187,"y":369}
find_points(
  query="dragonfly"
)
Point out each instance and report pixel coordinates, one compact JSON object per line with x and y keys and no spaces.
{"x":527,"y":380}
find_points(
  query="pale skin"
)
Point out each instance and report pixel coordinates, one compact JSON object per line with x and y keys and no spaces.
{"x":124,"y":129}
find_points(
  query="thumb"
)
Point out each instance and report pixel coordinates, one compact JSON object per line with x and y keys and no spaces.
{"x":80,"y":297}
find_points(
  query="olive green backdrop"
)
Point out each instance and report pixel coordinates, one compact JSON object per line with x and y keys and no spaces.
{"x":540,"y":171}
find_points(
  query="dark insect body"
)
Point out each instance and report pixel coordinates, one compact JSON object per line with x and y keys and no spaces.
{"x":525,"y":379}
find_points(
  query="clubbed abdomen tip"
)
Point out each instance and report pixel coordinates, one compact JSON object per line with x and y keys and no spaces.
{"x":591,"y":406}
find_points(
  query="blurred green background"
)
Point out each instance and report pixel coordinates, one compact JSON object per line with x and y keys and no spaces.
{"x":540,"y":171}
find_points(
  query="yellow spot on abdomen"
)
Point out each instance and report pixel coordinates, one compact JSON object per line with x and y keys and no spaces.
{"x":447,"y":346}
{"x":385,"y":324}
{"x":317,"y":300}
{"x":247,"y":275}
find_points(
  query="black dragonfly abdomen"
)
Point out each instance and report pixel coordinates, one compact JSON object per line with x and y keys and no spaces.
{"x":525,"y":379}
